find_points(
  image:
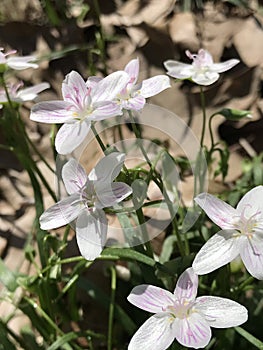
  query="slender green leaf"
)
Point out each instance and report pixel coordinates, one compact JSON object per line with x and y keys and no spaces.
{"x":249,"y":337}
{"x":61,"y":342}
{"x":127,"y":253}
{"x":6,"y":343}
{"x":38,"y":322}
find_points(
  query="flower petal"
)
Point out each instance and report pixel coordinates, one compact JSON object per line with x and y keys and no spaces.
{"x":155,"y":333}
{"x":178,"y":69}
{"x":109,"y":87}
{"x":193,"y":331}
{"x":62,"y":213}
{"x":252,"y":202}
{"x":74,"y":176}
{"x":103,"y":110}
{"x":110,"y":194}
{"x":52,"y":112}
{"x":70,"y":136}
{"x":187,"y":285}
{"x":20,"y":63}
{"x":224,"y":66}
{"x":202,"y":59}
{"x":218,"y":211}
{"x":151,"y":298}
{"x":154,"y":85}
{"x":132,"y":69}
{"x":206,"y":78}
{"x":91,"y":232}
{"x":107,"y":168}
{"x":93,"y":81}
{"x":251,"y":254}
{"x":221,"y":312}
{"x":31,"y":93}
{"x":74,"y":88}
{"x":219,"y":250}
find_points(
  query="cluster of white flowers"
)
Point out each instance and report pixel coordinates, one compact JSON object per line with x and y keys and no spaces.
{"x":180,"y":315}
{"x":14,"y":92}
{"x":96,"y":99}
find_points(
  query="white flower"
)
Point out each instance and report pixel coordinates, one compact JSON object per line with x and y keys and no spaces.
{"x":181,"y":315}
{"x":17,"y":63}
{"x":241,"y":234}
{"x":202,"y":71}
{"x":81,"y":105}
{"x":88,"y":195}
{"x":133,"y":95}
{"x":18,"y":95}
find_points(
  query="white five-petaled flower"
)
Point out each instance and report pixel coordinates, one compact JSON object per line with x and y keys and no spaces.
{"x":18,"y":95}
{"x":17,"y":63}
{"x":83,"y":103}
{"x":241,"y":234}
{"x":181,"y":315}
{"x":133,"y":95}
{"x":88,"y":195}
{"x":203,"y":70}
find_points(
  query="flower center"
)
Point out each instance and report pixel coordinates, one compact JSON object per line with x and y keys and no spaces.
{"x":180,"y":309}
{"x":81,"y":105}
{"x":246,"y":225}
{"x":124,"y":95}
{"x":201,"y":62}
{"x":88,"y":195}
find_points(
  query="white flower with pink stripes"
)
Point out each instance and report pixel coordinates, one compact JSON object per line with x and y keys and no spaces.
{"x":181,"y":315}
{"x":18,"y":94}
{"x":241,"y":234}
{"x":83,"y":103}
{"x":202,"y":71}
{"x":16,"y":62}
{"x":88,"y":196}
{"x":133,"y":95}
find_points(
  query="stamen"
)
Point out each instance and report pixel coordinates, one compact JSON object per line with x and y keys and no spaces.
{"x":190,"y":55}
{"x":252,"y":247}
{"x":246,"y":224}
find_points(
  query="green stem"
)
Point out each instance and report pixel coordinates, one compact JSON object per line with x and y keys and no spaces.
{"x":104,"y":148}
{"x":121,"y":137}
{"x":38,"y":153}
{"x":100,"y":142}
{"x":2,"y":81}
{"x":138,"y":137}
{"x":44,"y":181}
{"x":132,"y":209}
{"x":66,"y":233}
{"x":145,"y":234}
{"x":174,"y":222}
{"x":52,"y":137}
{"x":202,"y":95}
{"x":44,"y":315}
{"x":157,"y":179}
{"x":112,"y":306}
{"x":32,"y":164}
{"x":211,"y":131}
{"x":245,"y":283}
